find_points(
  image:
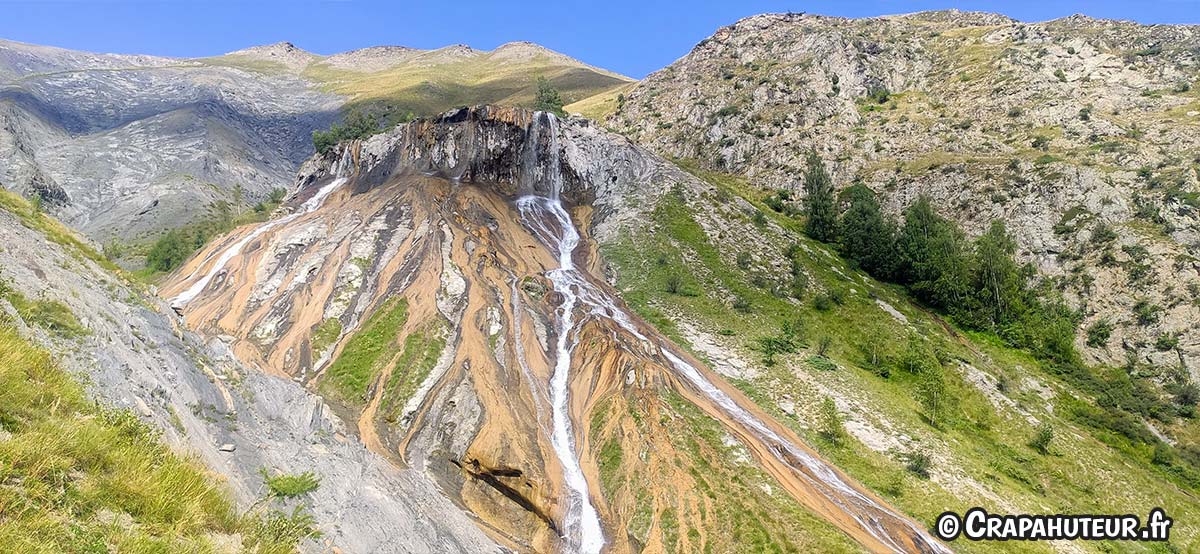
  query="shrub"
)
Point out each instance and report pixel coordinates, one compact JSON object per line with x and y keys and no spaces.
{"x":1041,"y":439}
{"x":290,"y":486}
{"x":674,"y":284}
{"x":1166,"y":341}
{"x":1146,"y":312}
{"x":878,"y":94}
{"x":1162,"y":454}
{"x":822,"y":302}
{"x":919,"y":464}
{"x":743,"y":260}
{"x":1098,"y":333}
{"x":829,"y":423}
{"x":1102,"y":233}
{"x":934,"y":396}
{"x":823,"y":345}
{"x":278,"y":532}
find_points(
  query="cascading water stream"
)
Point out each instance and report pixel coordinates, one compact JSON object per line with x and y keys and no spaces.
{"x":546,"y":218}
{"x":310,"y":205}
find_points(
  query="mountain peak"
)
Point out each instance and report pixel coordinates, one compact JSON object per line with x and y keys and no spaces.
{"x":282,"y":52}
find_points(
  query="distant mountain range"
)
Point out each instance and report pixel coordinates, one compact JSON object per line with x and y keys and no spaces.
{"x":127,"y":146}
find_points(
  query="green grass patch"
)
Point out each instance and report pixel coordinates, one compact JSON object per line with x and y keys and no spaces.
{"x":326,"y":333}
{"x":367,"y":350}
{"x":421,"y":352}
{"x":51,"y":315}
{"x":56,"y":232}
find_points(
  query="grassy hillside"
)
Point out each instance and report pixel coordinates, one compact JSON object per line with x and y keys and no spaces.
{"x":600,"y":106}
{"x":80,"y":477}
{"x":432,"y":84}
{"x":794,"y":325}
{"x":399,"y":82}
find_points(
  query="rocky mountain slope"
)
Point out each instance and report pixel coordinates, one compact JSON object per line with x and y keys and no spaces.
{"x":457,"y":286}
{"x":126,"y":147}
{"x":1079,"y":133}
{"x":237,"y":421}
{"x":435,"y":286}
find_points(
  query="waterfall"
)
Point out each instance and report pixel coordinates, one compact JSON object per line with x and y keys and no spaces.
{"x":547,"y":218}
{"x":550,"y":222}
{"x":341,"y":169}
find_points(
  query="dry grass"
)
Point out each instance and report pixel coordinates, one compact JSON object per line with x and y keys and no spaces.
{"x":75,"y":477}
{"x":429,"y":84}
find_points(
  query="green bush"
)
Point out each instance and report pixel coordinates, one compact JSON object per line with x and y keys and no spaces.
{"x":170,"y":251}
{"x":290,"y":486}
{"x":919,"y":464}
{"x":829,"y":423}
{"x":1098,"y":333}
{"x":358,"y":125}
{"x":1042,"y":438}
{"x":822,"y":302}
{"x":547,"y":98}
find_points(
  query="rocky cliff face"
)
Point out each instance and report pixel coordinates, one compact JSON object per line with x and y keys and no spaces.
{"x":439,"y":284}
{"x":1062,"y":129}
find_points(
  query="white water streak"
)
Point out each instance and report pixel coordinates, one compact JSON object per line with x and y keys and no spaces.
{"x":547,"y":219}
{"x":229,"y":253}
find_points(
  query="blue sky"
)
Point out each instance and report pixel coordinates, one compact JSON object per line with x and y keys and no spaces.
{"x":628,"y":36}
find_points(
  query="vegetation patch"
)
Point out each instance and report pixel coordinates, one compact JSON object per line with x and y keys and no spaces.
{"x":174,"y":247}
{"x":284,"y":485}
{"x":351,"y":373}
{"x":326,"y":333}
{"x":51,"y":315}
{"x":31,"y":216}
{"x":70,"y":468}
{"x":421,"y":352}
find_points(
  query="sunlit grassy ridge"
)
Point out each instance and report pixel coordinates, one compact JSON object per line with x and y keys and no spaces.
{"x":32,"y":217}
{"x":685,"y":277}
{"x":433,"y":82}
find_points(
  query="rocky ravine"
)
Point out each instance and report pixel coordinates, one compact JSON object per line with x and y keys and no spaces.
{"x":1054,"y":127}
{"x":236,"y":420}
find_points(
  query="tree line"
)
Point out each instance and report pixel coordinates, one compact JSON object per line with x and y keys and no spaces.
{"x":979,"y":283}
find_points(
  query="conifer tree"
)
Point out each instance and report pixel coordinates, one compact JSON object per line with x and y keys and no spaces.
{"x":819,"y":201}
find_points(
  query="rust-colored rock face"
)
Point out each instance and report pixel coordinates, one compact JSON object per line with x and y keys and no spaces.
{"x":425,"y":303}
